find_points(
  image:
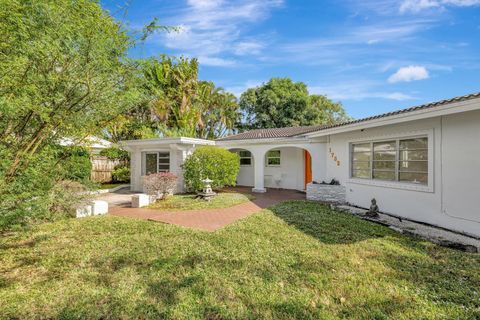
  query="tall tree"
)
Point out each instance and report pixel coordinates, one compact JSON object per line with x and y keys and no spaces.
{"x":177,"y":103}
{"x":63,"y":73}
{"x":283,"y":103}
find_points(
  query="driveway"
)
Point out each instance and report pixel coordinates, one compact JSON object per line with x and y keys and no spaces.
{"x":206,"y":219}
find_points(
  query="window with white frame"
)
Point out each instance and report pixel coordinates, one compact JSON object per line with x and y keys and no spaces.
{"x":273,"y":158}
{"x":157,"y":162}
{"x":245,"y":158}
{"x":403,"y":160}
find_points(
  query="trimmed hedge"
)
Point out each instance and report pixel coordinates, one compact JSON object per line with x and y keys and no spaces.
{"x":217,"y":164}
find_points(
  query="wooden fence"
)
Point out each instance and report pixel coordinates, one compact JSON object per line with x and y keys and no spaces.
{"x":102,"y":168}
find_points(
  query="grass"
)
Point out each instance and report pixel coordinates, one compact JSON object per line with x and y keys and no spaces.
{"x":190,"y":202}
{"x":297,"y":260}
{"x":104,"y":186}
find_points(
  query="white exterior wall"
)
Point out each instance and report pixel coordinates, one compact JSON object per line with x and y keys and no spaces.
{"x":450,"y":200}
{"x":178,"y":154}
{"x":289,"y":175}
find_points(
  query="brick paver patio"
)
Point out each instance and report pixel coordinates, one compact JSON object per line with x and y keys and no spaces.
{"x":207,"y":219}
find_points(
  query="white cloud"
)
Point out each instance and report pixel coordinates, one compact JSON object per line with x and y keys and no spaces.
{"x":248,"y":48}
{"x":216,"y":62}
{"x":358,"y":90}
{"x":420,"y":5}
{"x":410,"y":73}
{"x":214,"y":28}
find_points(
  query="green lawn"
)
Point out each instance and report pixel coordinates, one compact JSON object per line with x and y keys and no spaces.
{"x":190,"y":202}
{"x":297,"y":260}
{"x":110,"y":185}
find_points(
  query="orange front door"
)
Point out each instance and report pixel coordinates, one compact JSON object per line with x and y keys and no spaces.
{"x":308,"y":167}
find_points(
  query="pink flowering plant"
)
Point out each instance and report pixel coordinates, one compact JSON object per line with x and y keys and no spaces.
{"x":160,"y":185}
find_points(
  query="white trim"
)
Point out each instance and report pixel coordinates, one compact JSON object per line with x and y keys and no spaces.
{"x":157,"y":151}
{"x":279,"y":158}
{"x":396,"y":184}
{"x":128,"y":144}
{"x":240,"y":158}
{"x":450,"y":108}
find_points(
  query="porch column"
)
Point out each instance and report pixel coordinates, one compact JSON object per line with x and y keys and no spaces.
{"x":136,"y":170}
{"x":259,"y":175}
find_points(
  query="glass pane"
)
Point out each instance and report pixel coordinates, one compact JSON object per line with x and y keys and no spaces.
{"x":362,"y":156}
{"x":421,"y":166}
{"x":413,"y":155}
{"x":245,"y":161}
{"x":163,"y":167}
{"x":164,"y":160}
{"x":273,"y":153}
{"x":365,"y":174}
{"x":274,"y":161}
{"x":245,"y":154}
{"x":360,"y":165}
{"x":361,"y":147}
{"x":384,"y":175}
{"x":384,"y":155}
{"x":384,"y":146}
{"x":384,"y":165}
{"x":164,"y":154}
{"x":418,"y":143}
{"x":420,"y":178}
{"x":150,"y":163}
{"x":384,"y":150}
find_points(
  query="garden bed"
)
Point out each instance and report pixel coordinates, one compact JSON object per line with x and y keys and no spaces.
{"x":181,"y":202}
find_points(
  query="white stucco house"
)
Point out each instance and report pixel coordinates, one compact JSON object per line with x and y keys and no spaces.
{"x":421,"y":163}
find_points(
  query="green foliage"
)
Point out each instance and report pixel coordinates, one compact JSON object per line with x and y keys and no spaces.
{"x":121,"y":173}
{"x":217,"y":164}
{"x":176,"y":103}
{"x":64,"y":73}
{"x":283,"y":103}
{"x":115,"y":153}
{"x":75,"y":164}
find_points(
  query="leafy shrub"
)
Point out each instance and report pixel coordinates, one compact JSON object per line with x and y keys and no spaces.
{"x":76,"y":164}
{"x":160,"y":185}
{"x":217,"y":164}
{"x":115,"y":153}
{"x":35,"y":193}
{"x":65,"y":197}
{"x":121,"y":173}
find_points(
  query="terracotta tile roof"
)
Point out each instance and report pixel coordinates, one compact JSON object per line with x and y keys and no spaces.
{"x":411,"y":109}
{"x":296,"y":131}
{"x":272,"y":133}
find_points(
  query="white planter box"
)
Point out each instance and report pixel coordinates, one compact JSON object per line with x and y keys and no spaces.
{"x":140,"y":200}
{"x":99,"y":207}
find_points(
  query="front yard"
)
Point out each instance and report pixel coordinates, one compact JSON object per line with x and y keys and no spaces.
{"x":297,"y":260}
{"x":180,"y":202}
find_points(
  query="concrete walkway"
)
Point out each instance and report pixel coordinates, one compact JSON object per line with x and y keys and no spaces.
{"x":205,"y":219}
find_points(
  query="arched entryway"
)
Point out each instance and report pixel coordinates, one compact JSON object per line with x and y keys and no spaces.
{"x":287,"y":167}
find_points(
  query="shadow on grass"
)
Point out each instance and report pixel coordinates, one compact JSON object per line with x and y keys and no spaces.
{"x":326,"y":225}
{"x":445,"y":276}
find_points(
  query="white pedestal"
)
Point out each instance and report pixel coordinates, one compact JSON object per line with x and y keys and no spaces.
{"x":99,"y":207}
{"x":84,"y":211}
{"x":140,"y":200}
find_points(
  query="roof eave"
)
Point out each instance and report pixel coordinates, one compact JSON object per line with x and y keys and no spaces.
{"x":450,"y":108}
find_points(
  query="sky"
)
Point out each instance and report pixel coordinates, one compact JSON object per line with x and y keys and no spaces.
{"x":373,"y":56}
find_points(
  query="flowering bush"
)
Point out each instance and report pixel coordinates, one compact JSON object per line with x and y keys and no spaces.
{"x":160,"y":185}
